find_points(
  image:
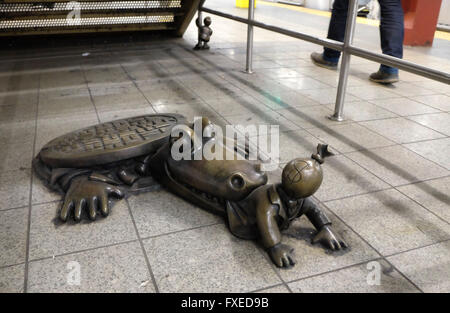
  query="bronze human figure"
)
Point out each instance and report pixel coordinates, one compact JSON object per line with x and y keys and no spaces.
{"x":123,"y":157}
{"x":204,"y":33}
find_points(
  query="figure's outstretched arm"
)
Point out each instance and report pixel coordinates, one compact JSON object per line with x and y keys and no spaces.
{"x":271,"y":236}
{"x":325,"y":235}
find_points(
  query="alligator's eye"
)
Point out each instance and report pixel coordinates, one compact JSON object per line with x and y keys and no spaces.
{"x":237,"y":181}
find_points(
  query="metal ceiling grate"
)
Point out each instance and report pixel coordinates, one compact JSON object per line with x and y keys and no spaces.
{"x":88,"y":21}
{"x":91,"y":6}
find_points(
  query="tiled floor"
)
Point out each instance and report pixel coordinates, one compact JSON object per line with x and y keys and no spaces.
{"x":386,"y":189}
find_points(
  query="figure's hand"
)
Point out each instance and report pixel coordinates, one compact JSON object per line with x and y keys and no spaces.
{"x":329,"y":239}
{"x":84,"y":193}
{"x":281,"y":255}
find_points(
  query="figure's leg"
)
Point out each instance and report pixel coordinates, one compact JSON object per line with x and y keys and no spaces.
{"x":391,"y":31}
{"x":336,"y":29}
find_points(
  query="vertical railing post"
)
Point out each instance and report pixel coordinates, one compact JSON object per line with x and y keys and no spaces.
{"x":251,"y":15}
{"x":200,"y":18}
{"x":343,"y":75}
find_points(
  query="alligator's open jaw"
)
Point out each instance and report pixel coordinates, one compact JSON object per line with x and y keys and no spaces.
{"x":214,"y":200}
{"x":207,"y":201}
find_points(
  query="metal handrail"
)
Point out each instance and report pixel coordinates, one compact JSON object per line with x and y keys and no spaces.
{"x":346,"y":47}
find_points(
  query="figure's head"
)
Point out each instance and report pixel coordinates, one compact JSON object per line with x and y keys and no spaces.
{"x":207,"y":21}
{"x":301,"y":178}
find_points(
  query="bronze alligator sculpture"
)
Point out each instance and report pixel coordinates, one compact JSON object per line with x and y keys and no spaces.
{"x":123,"y":157}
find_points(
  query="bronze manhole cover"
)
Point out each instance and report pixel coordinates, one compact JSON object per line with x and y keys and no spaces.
{"x":110,"y":142}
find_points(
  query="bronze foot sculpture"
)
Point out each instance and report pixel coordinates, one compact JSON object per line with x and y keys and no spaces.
{"x":119,"y":158}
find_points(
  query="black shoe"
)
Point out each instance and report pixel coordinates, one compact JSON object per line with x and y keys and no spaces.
{"x":318,"y":60}
{"x":383,"y":77}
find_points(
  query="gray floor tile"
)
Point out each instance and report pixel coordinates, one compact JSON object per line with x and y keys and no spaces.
{"x":15,"y":156}
{"x":75,"y":95}
{"x":18,"y":111}
{"x":281,"y":72}
{"x":17,"y":133}
{"x":439,"y":122}
{"x":108,"y":116}
{"x":390,"y":221}
{"x":407,"y":89}
{"x":17,"y":81}
{"x":159,"y":212}
{"x":363,"y":111}
{"x":325,"y":96}
{"x":119,"y":268}
{"x":284,"y":99}
{"x":356,"y":279}
{"x":189,"y":110}
{"x":314,"y":259}
{"x":63,"y":78}
{"x":432,"y":194}
{"x":115,"y":102}
{"x":397,"y":165}
{"x":401,"y":130}
{"x":427,"y":267}
{"x":350,"y":137}
{"x":269,"y":118}
{"x":239,"y":106}
{"x":14,"y":188}
{"x":65,"y":108}
{"x":170,"y":95}
{"x":435,"y":150}
{"x":49,"y":237}
{"x":404,"y":106}
{"x":11,"y":279}
{"x":371,"y":92}
{"x":441,"y":102}
{"x":43,"y":194}
{"x":302,"y":83}
{"x":208,"y":259}
{"x":343,"y":178}
{"x":296,"y":144}
{"x":13,"y":236}
{"x":105,"y":75}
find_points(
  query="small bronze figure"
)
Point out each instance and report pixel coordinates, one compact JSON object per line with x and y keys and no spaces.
{"x":204,"y":33}
{"x":120,"y":158}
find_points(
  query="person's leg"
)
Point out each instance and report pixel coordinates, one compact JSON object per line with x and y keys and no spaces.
{"x":391,"y":31}
{"x":336,"y":29}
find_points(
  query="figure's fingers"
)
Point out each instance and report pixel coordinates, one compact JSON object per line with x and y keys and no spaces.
{"x":65,"y":210}
{"x":103,"y":204}
{"x":331,"y":244}
{"x":277,"y":261}
{"x":291,"y":261}
{"x":337,"y":244}
{"x":92,"y":204}
{"x":79,"y":204}
{"x":115,"y":192}
{"x":343,"y":244}
{"x":285,"y":261}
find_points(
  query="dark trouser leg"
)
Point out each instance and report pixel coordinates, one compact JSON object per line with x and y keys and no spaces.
{"x":336,"y":29}
{"x":391,"y":31}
